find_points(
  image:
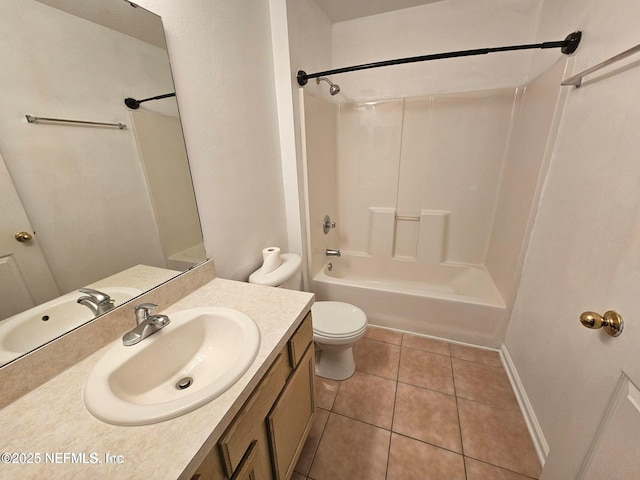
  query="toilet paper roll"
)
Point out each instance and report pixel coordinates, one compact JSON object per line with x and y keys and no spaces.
{"x":270,"y":259}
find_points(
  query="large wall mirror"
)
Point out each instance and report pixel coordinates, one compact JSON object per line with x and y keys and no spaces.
{"x":107,"y":205}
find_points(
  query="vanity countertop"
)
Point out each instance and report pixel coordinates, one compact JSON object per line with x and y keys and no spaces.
{"x":52,"y":421}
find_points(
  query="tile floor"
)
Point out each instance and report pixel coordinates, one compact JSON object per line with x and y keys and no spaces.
{"x":418,"y":408}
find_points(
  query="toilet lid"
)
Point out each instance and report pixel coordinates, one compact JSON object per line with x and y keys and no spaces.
{"x":337,"y":319}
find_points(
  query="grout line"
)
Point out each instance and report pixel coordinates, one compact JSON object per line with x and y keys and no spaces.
{"x":361,"y":421}
{"x":429,"y":389}
{"x":393,"y":414}
{"x":336,"y":395}
{"x":315,"y":450}
{"x":391,"y":431}
{"x":427,"y":351}
{"x":428,"y":443}
{"x":455,"y":391}
{"x":455,"y":395}
{"x":478,"y":363}
{"x":380,"y":341}
{"x":496,"y":407}
{"x":501,"y":467}
{"x":398,"y":433}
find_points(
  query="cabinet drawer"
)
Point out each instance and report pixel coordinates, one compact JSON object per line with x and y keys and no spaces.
{"x":300,"y":340}
{"x":290,"y":420}
{"x":244,"y":429}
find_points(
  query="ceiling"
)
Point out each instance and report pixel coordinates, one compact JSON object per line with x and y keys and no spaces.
{"x":117,"y":15}
{"x":341,"y":10}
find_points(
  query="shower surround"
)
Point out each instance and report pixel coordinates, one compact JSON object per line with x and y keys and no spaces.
{"x":428,"y":193}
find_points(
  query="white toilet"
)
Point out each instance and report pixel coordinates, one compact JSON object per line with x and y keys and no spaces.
{"x":337,"y":326}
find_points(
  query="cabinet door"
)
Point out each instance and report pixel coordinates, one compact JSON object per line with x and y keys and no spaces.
{"x":210,"y":468}
{"x":250,"y":468}
{"x":246,"y":426}
{"x":290,"y":419}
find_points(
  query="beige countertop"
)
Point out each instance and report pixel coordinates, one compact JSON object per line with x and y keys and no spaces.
{"x":144,"y":277}
{"x":53,"y":422}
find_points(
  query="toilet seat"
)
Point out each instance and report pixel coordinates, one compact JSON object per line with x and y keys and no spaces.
{"x":337,"y":320}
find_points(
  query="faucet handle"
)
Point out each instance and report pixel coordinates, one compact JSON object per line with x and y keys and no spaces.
{"x":142,"y":311}
{"x":96,"y":295}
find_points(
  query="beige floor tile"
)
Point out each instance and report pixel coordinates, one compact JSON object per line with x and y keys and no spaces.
{"x":479,"y":355}
{"x":326,"y":391}
{"x":426,"y":344}
{"x":351,"y":450}
{"x":483,"y":383}
{"x":368,"y":398}
{"x":425,"y":369}
{"x":428,"y":416}
{"x":482,"y":471}
{"x":377,"y":358}
{"x":497,"y":436}
{"x":413,"y":460}
{"x":310,"y":446}
{"x":383,"y":335}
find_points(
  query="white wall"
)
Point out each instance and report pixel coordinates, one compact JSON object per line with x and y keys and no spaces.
{"x":222,"y":62}
{"x":309,"y":41}
{"x":585,"y":234}
{"x":435,"y":28}
{"x":309,"y":45}
{"x":166,"y":168}
{"x":63,"y":174}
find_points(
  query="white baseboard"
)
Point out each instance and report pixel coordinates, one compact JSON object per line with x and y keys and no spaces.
{"x":539,"y":442}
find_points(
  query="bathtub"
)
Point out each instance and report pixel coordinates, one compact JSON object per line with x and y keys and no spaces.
{"x":454,"y":302}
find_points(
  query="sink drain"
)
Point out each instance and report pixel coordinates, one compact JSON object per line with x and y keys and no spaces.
{"x":184,"y":383}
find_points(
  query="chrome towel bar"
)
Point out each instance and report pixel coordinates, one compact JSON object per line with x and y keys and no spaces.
{"x":576,"y":80}
{"x":32,"y":119}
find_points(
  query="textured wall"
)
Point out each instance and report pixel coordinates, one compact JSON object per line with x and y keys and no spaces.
{"x":222,"y":62}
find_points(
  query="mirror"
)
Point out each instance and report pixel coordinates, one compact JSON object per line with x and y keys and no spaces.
{"x":107,"y":205}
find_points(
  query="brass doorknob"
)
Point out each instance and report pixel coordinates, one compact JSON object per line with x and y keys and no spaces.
{"x":23,"y":236}
{"x":611,"y":322}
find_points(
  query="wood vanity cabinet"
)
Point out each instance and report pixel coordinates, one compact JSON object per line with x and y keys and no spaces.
{"x":266,"y":437}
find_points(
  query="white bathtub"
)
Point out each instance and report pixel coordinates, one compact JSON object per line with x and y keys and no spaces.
{"x":455,"y":302}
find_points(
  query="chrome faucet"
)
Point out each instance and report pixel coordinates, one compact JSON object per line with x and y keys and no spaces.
{"x":146,"y":324}
{"x":332,"y":253}
{"x":95,"y":301}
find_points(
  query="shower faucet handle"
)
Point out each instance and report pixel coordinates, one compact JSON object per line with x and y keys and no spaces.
{"x":327,"y":224}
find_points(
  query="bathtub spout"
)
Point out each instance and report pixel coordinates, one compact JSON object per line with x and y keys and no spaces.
{"x":332,"y":253}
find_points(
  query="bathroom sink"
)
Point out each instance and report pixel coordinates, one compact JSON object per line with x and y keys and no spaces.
{"x":38,"y":325}
{"x":191,"y":361}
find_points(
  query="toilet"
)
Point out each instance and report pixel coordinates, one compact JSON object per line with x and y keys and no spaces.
{"x":337,"y":326}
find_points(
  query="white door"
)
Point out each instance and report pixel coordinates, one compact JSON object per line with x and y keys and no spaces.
{"x":584,"y":255}
{"x":614,"y":454}
{"x":25,"y":279}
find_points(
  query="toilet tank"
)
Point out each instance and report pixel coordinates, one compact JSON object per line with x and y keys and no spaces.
{"x":287,"y":275}
{"x":294,"y":283}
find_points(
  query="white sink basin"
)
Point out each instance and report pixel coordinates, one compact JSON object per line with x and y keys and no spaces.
{"x":208,"y":349}
{"x":34,"y":327}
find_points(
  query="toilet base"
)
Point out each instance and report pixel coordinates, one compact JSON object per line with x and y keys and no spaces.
{"x":335,"y":364}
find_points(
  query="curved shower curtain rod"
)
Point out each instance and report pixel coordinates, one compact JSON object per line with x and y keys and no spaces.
{"x":135,"y":104}
{"x":567,"y":46}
